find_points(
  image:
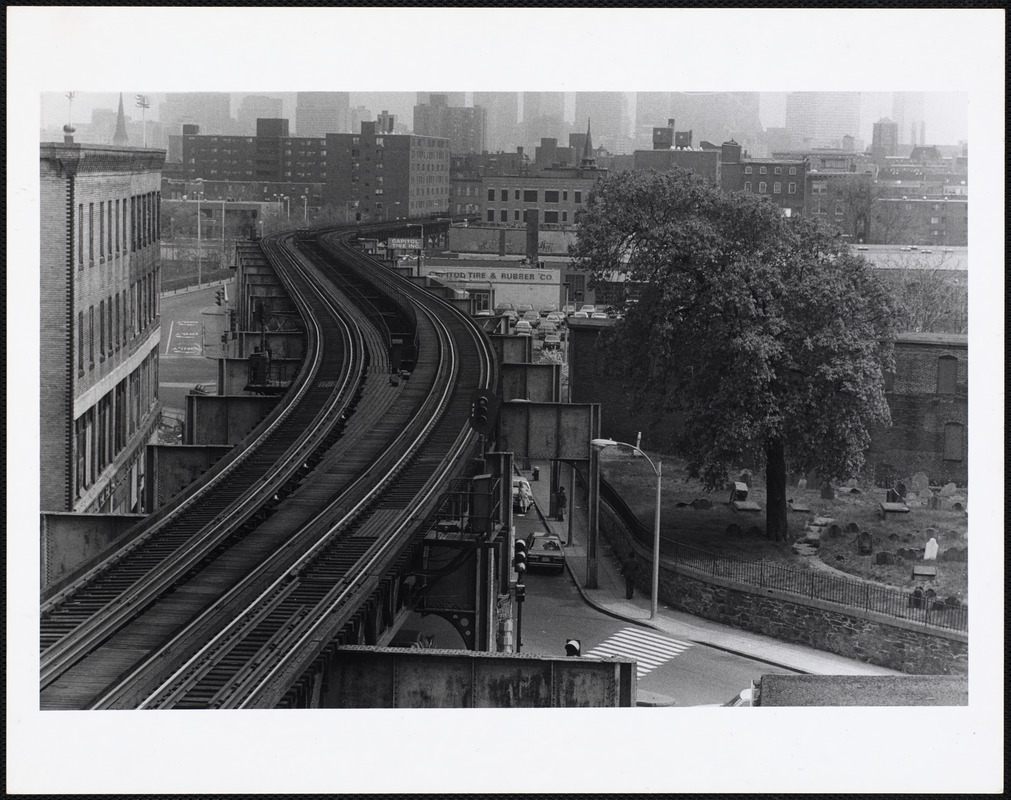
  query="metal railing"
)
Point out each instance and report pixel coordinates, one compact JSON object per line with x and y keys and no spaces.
{"x":915,"y":606}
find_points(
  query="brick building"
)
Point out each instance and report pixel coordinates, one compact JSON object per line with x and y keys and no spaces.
{"x":927,"y":396}
{"x":555,"y":194}
{"x":386,"y":175}
{"x":464,"y":127}
{"x":780,"y":180}
{"x":100,"y":276}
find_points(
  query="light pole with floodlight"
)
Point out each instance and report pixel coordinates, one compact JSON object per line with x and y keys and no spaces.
{"x":657,"y":469}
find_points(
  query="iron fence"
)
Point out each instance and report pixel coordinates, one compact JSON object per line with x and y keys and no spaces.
{"x":916,"y":606}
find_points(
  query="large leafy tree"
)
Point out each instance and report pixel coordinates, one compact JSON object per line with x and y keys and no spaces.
{"x":762,"y":337}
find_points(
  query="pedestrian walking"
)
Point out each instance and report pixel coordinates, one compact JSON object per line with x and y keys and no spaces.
{"x":629,"y":568}
{"x":561,"y":503}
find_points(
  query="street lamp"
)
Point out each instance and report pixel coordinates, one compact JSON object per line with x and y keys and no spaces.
{"x":305,"y":207}
{"x":657,"y":468}
{"x":200,"y":252}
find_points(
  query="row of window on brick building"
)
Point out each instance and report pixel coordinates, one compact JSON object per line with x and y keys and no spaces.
{"x":531,"y":195}
{"x":116,"y":323}
{"x":104,"y":430}
{"x":137,"y":217}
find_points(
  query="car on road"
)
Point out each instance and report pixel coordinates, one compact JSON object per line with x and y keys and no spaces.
{"x":568,"y":308}
{"x":523,"y":328}
{"x":532,"y":317}
{"x":580,"y":315}
{"x":552,"y":342}
{"x":557,"y":317}
{"x":549,"y":309}
{"x":545,"y":550}
{"x":523,"y":498}
{"x":599,"y":315}
{"x":588,"y":308}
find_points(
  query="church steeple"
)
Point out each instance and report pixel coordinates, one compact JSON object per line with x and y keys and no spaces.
{"x":588,"y":161}
{"x":119,"y":138}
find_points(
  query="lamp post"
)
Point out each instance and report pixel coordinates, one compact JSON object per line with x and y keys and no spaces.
{"x":600,"y":444}
{"x":305,"y":208}
{"x":143,"y":104}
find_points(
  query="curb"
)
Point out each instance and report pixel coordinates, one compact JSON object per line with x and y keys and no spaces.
{"x":652,"y":626}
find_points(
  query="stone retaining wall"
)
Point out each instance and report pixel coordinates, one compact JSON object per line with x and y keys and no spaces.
{"x":864,"y":636}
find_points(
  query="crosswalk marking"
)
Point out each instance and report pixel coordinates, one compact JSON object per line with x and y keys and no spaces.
{"x":649,"y":649}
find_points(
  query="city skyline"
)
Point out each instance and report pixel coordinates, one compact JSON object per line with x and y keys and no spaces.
{"x":946,"y":113}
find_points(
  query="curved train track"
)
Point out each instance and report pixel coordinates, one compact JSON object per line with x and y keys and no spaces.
{"x":198,"y":611}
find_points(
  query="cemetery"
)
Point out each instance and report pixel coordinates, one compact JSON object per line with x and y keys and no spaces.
{"x":910,"y":536}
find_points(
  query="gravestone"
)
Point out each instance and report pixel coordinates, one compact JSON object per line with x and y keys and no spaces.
{"x":953,"y":602}
{"x":920,"y":483}
{"x":802,"y":483}
{"x":893,"y":537}
{"x":900,"y":489}
{"x":930,"y":550}
{"x":916,"y":598}
{"x":840,"y":557}
{"x":929,"y":597}
{"x":855,"y":490}
{"x":892,"y":496}
{"x":948,"y":490}
{"x":957,"y":507}
{"x":852,"y":527}
{"x":827,"y":491}
{"x":884,"y":558}
{"x":933,"y":502}
{"x":745,"y":477}
{"x":865,"y":543}
{"x":834,"y":531}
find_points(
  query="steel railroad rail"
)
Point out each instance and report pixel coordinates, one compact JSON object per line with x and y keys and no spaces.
{"x":218,"y":514}
{"x":253,"y":659}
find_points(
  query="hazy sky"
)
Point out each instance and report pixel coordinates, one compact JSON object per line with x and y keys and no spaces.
{"x":946,"y":112}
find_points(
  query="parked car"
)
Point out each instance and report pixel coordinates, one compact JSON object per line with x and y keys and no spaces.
{"x":580,"y":315}
{"x":532,"y":317}
{"x":557,"y":317}
{"x":552,"y":341}
{"x":523,"y":498}
{"x":598,"y":315}
{"x":549,"y":309}
{"x":589,"y":309}
{"x":545,"y":550}
{"x":524,"y":307}
{"x":547,"y":326}
{"x":524,"y":328}
{"x":500,"y":307}
{"x":485,"y":313}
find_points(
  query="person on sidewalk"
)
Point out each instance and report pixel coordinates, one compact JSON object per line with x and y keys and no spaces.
{"x":629,"y":568}
{"x":561,"y":503}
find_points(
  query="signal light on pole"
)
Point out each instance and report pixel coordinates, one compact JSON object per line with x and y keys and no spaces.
{"x":483,"y":408}
{"x":520,"y":557}
{"x":219,"y":296}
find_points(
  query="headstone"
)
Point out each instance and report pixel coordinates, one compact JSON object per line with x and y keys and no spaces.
{"x":855,"y":490}
{"x":733,"y":529}
{"x":920,"y":483}
{"x":957,"y":507}
{"x":802,"y":483}
{"x":953,"y":602}
{"x":929,"y":597}
{"x":834,"y":531}
{"x":900,"y":489}
{"x":911,"y":497}
{"x":840,"y":557}
{"x":852,"y":527}
{"x":702,"y":503}
{"x":892,"y":496}
{"x":948,"y":490}
{"x":930,"y":551}
{"x":738,"y":491}
{"x":745,"y":477}
{"x":893,"y":537}
{"x":916,"y":598}
{"x":865,"y":543}
{"x":933,"y":502}
{"x":827,"y":491}
{"x":884,"y":558}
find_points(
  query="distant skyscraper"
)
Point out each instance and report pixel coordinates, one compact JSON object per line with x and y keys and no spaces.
{"x":885,"y":140}
{"x":502,"y":112}
{"x":210,"y":110}
{"x":822,"y":119}
{"x":254,"y":107}
{"x":717,"y":117}
{"x":909,"y":110}
{"x":543,"y":116}
{"x":652,"y":110}
{"x":608,"y":111}
{"x":320,"y":113}
{"x":454,"y":99}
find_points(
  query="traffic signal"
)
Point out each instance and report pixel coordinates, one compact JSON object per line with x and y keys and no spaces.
{"x":520,"y":557}
{"x":219,"y":296}
{"x":483,"y":407}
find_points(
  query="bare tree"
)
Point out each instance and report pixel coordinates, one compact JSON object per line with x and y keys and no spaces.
{"x":931,"y":296}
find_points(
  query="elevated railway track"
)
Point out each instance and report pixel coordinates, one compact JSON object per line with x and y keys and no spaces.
{"x":225,"y":598}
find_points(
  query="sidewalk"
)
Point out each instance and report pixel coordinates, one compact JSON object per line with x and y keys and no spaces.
{"x":609,"y":597}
